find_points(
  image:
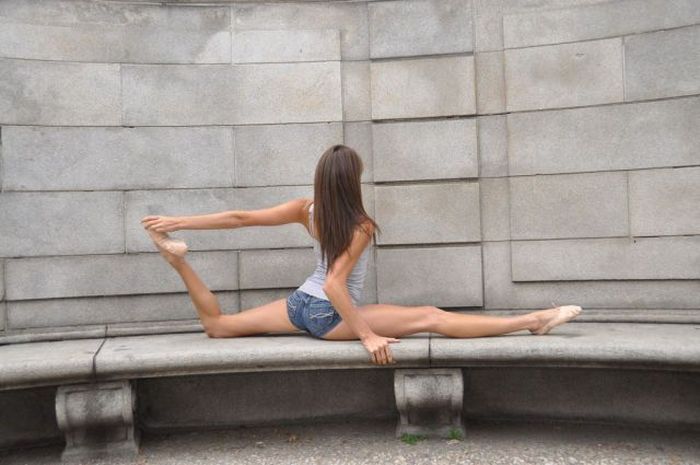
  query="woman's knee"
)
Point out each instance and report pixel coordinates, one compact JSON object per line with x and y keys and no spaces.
{"x":434,"y":317}
{"x":213,"y":328}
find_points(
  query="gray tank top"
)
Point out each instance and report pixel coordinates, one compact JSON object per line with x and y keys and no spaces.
{"x":314,"y":283}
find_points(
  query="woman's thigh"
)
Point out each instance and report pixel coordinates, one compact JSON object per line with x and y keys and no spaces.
{"x":268,"y":318}
{"x":390,"y":321}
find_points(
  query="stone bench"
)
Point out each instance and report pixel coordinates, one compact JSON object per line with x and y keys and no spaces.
{"x":95,"y":378}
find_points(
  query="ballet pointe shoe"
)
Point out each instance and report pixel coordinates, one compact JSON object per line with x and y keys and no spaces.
{"x":176,"y":247}
{"x":564,"y":313}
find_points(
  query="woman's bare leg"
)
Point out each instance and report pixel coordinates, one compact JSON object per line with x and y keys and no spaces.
{"x":271,"y":317}
{"x":462,"y":325}
{"x":204,"y":300}
{"x":397,"y":320}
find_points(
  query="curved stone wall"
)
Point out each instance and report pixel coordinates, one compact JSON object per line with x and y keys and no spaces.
{"x":517,"y":153}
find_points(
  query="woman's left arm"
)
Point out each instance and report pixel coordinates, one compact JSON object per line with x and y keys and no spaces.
{"x":339,"y":296}
{"x":336,"y":289}
{"x":287,"y":212}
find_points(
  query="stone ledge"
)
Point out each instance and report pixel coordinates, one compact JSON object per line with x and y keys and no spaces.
{"x":130,"y":357}
{"x":608,"y":345}
{"x":613,"y":345}
{"x":47,"y":363}
{"x":195,"y":353}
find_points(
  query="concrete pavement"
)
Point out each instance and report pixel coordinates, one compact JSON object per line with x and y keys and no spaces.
{"x":491,"y":443}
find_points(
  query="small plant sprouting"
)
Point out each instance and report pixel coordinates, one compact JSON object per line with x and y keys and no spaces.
{"x":411,"y":438}
{"x":455,"y":434}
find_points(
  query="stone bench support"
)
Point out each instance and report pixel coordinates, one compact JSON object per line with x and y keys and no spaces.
{"x":429,"y":401}
{"x":97,"y":420}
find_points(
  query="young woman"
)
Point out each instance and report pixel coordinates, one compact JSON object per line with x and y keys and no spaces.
{"x":326,"y":304}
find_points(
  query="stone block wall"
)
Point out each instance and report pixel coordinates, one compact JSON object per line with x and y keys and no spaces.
{"x":517,"y":153}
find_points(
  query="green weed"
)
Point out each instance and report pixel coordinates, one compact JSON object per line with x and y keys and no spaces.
{"x":411,"y":438}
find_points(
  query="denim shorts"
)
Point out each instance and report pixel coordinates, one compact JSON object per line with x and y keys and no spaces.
{"x":312,"y":314}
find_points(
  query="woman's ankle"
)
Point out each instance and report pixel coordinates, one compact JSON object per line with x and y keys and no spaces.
{"x":177,"y":262}
{"x":540,"y":318}
{"x":534,"y":323}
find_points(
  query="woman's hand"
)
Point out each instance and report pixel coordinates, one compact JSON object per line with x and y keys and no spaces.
{"x":162,"y":223}
{"x":378,"y":346}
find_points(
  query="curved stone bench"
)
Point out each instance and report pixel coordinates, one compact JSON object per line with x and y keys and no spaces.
{"x":132,"y":357}
{"x":95,"y":376}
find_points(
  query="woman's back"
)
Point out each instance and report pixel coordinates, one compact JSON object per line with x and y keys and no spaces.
{"x":314,"y":283}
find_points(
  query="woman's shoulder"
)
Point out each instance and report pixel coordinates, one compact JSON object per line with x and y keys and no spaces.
{"x":366,"y":226}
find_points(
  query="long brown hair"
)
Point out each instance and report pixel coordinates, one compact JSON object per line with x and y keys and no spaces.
{"x":338,"y":207}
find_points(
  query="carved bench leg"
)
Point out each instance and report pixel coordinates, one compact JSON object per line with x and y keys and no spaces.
{"x":429,"y":401}
{"x":98,"y":420}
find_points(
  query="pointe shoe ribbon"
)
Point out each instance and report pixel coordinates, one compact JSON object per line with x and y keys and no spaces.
{"x":174,"y":246}
{"x":565,"y":313}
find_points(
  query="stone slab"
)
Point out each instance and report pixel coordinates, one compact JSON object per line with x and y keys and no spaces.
{"x":493,"y":146}
{"x":662,"y":64}
{"x":626,"y":345}
{"x":251,"y":298}
{"x":99,"y":158}
{"x":59,"y":93}
{"x":612,"y":137}
{"x":86,"y":311}
{"x":138,"y":328}
{"x":46,"y":363}
{"x":234,"y":94}
{"x":3,"y":315}
{"x":567,"y":75}
{"x":490,"y":83}
{"x":423,"y":87}
{"x":115,"y":32}
{"x":665,"y":201}
{"x":118,"y":274}
{"x":61,"y":223}
{"x":350,"y":18}
{"x":428,"y":213}
{"x":357,"y":103}
{"x":488,"y":25}
{"x":445,"y":276}
{"x":595,"y":21}
{"x":495,"y":209}
{"x":358,"y":136}
{"x":568,"y":205}
{"x":673,"y":257}
{"x":435,"y":149}
{"x":424,"y":27}
{"x":180,"y":354}
{"x":275,"y":268}
{"x":278,"y":46}
{"x":55,"y":333}
{"x":281,"y":154}
{"x":636,"y":296}
{"x":489,"y":17}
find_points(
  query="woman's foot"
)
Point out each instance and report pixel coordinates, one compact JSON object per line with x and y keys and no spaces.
{"x":173,"y":250}
{"x":548,"y":319}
